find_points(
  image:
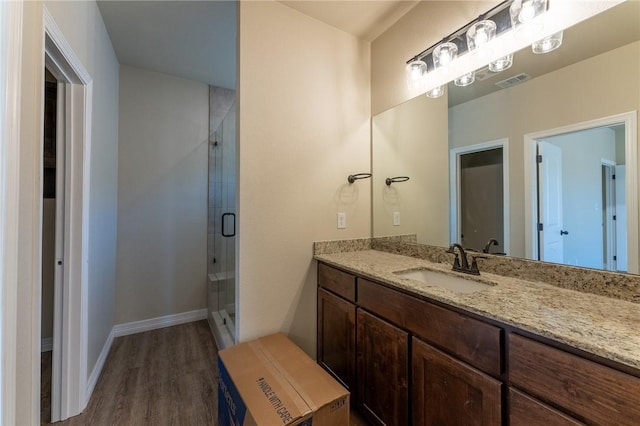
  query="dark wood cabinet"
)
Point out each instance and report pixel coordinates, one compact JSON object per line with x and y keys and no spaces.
{"x":337,"y":338}
{"x":448,"y":392}
{"x":590,"y":391}
{"x":526,"y":411}
{"x":383,"y":371}
{"x":412,"y":361}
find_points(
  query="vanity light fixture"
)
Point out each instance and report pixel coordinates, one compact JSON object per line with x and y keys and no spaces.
{"x":465,"y":80}
{"x":478,"y":35}
{"x":505,"y":17}
{"x":436,"y":92}
{"x":548,"y":44}
{"x":524,"y":11}
{"x":481,"y":33}
{"x":416,"y":72}
{"x":444,"y":54}
{"x":501,"y":64}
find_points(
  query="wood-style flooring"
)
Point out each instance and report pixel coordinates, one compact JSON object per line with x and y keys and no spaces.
{"x":160,"y":377}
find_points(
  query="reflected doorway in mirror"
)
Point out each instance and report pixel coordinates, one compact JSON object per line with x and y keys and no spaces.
{"x":479,"y":202}
{"x":581,"y":194}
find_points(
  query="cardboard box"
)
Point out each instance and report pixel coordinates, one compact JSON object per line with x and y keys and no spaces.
{"x":270,"y":381}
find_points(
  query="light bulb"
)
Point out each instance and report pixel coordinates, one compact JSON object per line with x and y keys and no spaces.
{"x":527,"y":12}
{"x":501,"y":64}
{"x":436,"y":92}
{"x":444,"y":54}
{"x":548,"y":44}
{"x":416,"y":72}
{"x":524,"y":11}
{"x":480,"y":33}
{"x":465,"y":80}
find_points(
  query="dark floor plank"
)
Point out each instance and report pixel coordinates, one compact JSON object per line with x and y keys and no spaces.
{"x":160,"y":377}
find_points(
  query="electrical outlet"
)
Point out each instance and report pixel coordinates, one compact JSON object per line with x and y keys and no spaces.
{"x":396,"y":218}
{"x":342,"y":220}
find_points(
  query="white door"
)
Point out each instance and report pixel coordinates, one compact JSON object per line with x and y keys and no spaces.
{"x":550,"y":231}
{"x":621,"y":219}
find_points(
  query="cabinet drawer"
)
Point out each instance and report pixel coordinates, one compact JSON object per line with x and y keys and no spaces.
{"x":592,"y":392}
{"x":526,"y":411}
{"x":337,"y":281}
{"x":472,"y":341}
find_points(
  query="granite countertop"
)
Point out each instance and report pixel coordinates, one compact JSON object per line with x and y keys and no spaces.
{"x":601,"y":325}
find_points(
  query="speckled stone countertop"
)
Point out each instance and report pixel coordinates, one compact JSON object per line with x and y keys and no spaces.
{"x":601,"y":325}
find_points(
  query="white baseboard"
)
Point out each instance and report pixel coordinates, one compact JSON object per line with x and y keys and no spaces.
{"x":159,"y":322}
{"x":137,"y":327}
{"x":97,"y":369}
{"x":46,"y":344}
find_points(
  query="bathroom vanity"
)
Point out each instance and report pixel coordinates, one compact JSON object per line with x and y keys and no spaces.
{"x":515,"y":352}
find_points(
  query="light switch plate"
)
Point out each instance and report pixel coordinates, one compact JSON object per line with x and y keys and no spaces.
{"x":396,"y":218}
{"x":342,"y":220}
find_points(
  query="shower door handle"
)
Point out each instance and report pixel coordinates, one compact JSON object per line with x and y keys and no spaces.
{"x":224,"y":225}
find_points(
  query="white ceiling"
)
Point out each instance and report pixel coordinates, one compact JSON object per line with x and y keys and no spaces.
{"x":197,"y":39}
{"x":189,"y":39}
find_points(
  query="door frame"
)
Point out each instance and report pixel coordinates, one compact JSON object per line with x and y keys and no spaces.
{"x":11,"y":16}
{"x":629,"y":119}
{"x":609,"y":193}
{"x":70,"y":304}
{"x":454,"y":186}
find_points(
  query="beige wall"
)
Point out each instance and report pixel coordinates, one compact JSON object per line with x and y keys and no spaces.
{"x":567,"y":96}
{"x":162,"y":195}
{"x":304,"y":121}
{"x":82,"y":26}
{"x":411,"y":140}
{"x":424,"y":25}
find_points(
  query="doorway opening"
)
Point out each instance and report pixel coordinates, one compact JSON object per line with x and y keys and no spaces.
{"x":70,"y":387}
{"x":577,"y":219}
{"x":581,"y":195}
{"x":479,"y":197}
{"x":52,"y":229}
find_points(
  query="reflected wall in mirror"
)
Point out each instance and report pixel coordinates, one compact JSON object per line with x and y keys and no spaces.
{"x":594,"y":75}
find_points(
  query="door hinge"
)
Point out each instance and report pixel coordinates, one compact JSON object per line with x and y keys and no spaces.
{"x":540,"y":227}
{"x":613,"y":177}
{"x":615,"y":257}
{"x":614,"y":217}
{"x":539,"y":158}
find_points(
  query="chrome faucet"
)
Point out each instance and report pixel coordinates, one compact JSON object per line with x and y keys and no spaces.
{"x":460,"y":263}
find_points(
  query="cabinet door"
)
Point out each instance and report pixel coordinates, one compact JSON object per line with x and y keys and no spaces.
{"x":448,"y":392}
{"x":337,"y":337}
{"x":383,"y":371}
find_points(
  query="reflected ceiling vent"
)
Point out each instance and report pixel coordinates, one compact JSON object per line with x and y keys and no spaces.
{"x":512,"y":81}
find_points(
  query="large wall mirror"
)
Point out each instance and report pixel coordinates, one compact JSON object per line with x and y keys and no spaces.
{"x":542,"y":157}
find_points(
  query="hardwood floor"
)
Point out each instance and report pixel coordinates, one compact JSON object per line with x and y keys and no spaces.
{"x":160,"y":377}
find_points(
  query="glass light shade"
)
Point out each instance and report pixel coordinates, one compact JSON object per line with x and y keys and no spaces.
{"x":523,"y":11}
{"x":465,"y":80}
{"x":480,"y":33}
{"x":444,"y":54}
{"x":548,"y":44}
{"x":436,"y":92}
{"x":501,"y":64}
{"x":416,"y":72}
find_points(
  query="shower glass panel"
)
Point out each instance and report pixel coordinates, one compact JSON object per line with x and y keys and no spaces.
{"x":222,"y":227}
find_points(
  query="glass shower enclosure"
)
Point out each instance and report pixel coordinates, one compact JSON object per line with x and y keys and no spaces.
{"x":222,"y":225}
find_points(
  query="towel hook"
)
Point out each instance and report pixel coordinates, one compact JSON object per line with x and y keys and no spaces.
{"x":353,"y":178}
{"x":396,"y":179}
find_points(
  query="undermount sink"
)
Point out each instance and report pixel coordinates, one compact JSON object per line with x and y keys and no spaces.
{"x":443,"y":280}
